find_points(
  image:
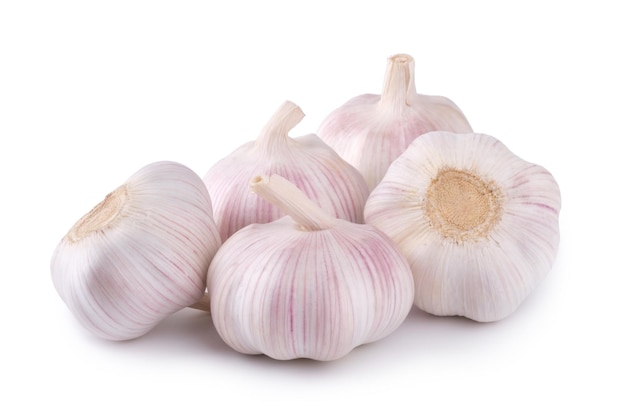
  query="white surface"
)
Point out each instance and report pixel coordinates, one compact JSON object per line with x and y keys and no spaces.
{"x":89,"y":93}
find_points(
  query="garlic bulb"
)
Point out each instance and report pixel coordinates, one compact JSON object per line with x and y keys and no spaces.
{"x":139,"y":255}
{"x":478,"y":224}
{"x":307,"y":161}
{"x":370,"y":131}
{"x":308,"y":285}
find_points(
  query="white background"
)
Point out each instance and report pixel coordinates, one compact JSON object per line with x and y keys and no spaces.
{"x":92,"y":91}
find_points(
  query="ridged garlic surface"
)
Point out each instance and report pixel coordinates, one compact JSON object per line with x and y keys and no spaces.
{"x":370,"y":131}
{"x":306,"y":161}
{"x":140,"y":255}
{"x":478,"y":225}
{"x":308,"y":285}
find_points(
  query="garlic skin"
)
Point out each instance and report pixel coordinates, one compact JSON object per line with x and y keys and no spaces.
{"x":306,"y":161}
{"x":370,"y":131}
{"x":478,"y":225}
{"x":139,"y":255}
{"x":307,"y":285}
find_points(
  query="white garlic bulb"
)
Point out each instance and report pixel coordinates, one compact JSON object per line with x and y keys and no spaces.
{"x":478,"y":224}
{"x":370,"y":131}
{"x":308,"y":285}
{"x":139,"y":255}
{"x":306,"y":161}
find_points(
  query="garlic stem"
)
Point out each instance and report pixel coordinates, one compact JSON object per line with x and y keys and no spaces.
{"x":277,"y":128}
{"x":399,"y":84}
{"x":285,"y":195}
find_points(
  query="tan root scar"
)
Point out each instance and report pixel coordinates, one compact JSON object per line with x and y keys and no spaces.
{"x":462,"y":206}
{"x":99,"y":217}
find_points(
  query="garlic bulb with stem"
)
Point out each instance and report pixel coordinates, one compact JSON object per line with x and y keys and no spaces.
{"x":307,"y":161}
{"x":308,"y":285}
{"x":140,"y":255}
{"x":370,"y":131}
{"x":478,"y":225}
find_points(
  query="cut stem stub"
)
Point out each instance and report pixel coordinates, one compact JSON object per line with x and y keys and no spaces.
{"x":289,"y":198}
{"x":399,"y":83}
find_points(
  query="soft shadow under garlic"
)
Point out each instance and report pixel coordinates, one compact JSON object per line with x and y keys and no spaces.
{"x":188,"y":332}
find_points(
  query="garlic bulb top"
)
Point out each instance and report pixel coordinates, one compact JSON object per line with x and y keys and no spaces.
{"x":307,"y":161}
{"x":308,"y":285}
{"x":478,"y":224}
{"x":139,"y":255}
{"x":370,"y":131}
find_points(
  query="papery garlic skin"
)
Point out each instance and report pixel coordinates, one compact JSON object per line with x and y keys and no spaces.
{"x":307,"y":161}
{"x":370,"y":131}
{"x":314,"y":287}
{"x":478,"y":225}
{"x":140,"y":255}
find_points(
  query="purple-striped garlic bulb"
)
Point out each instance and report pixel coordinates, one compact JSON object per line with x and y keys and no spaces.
{"x":139,"y":255}
{"x":478,"y":224}
{"x":370,"y":131}
{"x":306,"y":161}
{"x":308,"y":285}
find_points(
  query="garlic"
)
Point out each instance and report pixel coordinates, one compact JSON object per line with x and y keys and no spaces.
{"x":478,"y":224}
{"x":308,"y":285}
{"x":139,"y":255}
{"x":307,"y":161}
{"x":370,"y":131}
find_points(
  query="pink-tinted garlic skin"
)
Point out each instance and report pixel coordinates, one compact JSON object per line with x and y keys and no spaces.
{"x":370,"y":131}
{"x":484,"y":277}
{"x":307,"y":161}
{"x":311,"y":165}
{"x":121,"y":280}
{"x":289,"y":293}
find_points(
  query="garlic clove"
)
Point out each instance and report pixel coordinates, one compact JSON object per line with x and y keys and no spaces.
{"x":307,"y":161}
{"x":370,"y":131}
{"x":478,"y":224}
{"x":139,"y":255}
{"x":307,"y":285}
